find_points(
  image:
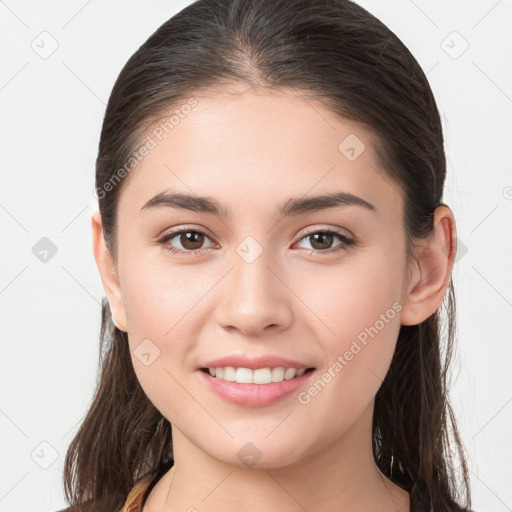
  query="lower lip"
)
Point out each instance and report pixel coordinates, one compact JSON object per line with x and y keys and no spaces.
{"x":254,"y":395}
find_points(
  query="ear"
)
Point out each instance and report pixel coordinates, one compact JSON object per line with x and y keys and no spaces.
{"x":434,"y":258}
{"x":108,"y":273}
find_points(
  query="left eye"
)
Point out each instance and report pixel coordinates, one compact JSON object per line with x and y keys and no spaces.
{"x":191,"y":241}
{"x":323,"y":238}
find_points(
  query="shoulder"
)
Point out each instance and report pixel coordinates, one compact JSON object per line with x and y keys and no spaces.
{"x":138,"y":494}
{"x":85,"y":507}
{"x":135,"y":499}
{"x":95,"y":506}
{"x":133,"y":502}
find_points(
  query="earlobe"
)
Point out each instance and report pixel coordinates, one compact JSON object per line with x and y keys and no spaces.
{"x":435,"y":256}
{"x":108,"y":273}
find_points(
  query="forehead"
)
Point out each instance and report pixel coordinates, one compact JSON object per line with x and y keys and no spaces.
{"x":248,"y":148}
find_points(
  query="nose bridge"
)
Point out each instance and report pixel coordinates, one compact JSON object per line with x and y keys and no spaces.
{"x":254,"y":297}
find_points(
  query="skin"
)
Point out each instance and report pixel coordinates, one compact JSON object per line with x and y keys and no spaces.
{"x":252,"y":152}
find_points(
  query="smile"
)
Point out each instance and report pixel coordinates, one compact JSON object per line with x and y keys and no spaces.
{"x":256,"y":388}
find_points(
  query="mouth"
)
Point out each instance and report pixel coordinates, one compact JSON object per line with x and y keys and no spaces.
{"x":255,"y":388}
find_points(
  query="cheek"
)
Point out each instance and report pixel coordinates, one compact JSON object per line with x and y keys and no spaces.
{"x":163,"y":307}
{"x":159,"y":298}
{"x":159,"y":338}
{"x":349,"y":298}
{"x":362,"y":310}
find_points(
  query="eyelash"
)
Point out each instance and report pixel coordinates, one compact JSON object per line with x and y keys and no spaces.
{"x":346,"y":241}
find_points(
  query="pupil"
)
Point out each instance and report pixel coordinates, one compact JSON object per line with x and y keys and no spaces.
{"x":322,"y":236}
{"x":191,"y":237}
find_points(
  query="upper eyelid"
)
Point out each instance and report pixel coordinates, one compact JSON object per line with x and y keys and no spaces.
{"x":337,"y":230}
{"x":179,"y":230}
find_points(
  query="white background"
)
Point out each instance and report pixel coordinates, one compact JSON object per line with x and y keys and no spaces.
{"x":51,"y":114}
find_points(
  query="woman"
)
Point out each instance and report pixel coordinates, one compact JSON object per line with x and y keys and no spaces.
{"x":276,"y":256}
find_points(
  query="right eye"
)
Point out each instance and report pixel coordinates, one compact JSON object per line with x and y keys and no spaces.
{"x":190,"y":240}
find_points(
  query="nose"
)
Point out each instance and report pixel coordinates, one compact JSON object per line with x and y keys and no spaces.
{"x":254,"y":298}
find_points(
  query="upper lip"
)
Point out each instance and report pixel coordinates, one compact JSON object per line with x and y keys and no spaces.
{"x":255,"y":362}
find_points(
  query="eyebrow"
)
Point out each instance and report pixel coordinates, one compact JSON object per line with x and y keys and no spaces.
{"x":294,"y":206}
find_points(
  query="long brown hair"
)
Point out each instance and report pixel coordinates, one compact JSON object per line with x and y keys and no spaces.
{"x":337,"y":53}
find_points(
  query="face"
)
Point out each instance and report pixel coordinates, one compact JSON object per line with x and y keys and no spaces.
{"x":320,"y":287}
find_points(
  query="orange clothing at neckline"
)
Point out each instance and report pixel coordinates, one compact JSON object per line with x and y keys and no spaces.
{"x":138,"y":495}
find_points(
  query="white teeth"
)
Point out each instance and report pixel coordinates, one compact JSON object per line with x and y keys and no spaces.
{"x":259,"y":376}
{"x":277,"y":374}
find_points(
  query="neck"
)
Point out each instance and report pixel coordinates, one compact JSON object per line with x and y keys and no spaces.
{"x":340,"y":476}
